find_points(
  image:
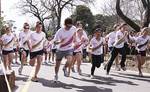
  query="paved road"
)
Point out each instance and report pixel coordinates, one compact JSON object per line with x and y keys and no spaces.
{"x":127,"y":81}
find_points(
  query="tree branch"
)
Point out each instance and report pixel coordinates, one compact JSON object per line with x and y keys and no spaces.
{"x":125,"y":18}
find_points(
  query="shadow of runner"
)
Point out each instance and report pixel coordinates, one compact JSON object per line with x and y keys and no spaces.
{"x":106,"y":81}
{"x":134,"y":77}
{"x":49,"y":83}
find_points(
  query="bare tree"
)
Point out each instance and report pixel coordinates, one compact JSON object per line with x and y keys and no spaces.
{"x":131,"y":8}
{"x":56,"y":7}
{"x":34,"y":7}
{"x":146,"y":18}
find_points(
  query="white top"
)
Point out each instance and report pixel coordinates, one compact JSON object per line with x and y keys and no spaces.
{"x":119,"y":35}
{"x":94,"y":43}
{"x":23,"y":37}
{"x":36,"y":38}
{"x":141,"y":40}
{"x":79,"y":43}
{"x":111,"y":38}
{"x":48,"y":45}
{"x":6,"y":39}
{"x":15,"y":42}
{"x":86,"y":37}
{"x":66,"y":35}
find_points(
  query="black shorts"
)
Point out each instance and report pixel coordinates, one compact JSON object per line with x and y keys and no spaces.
{"x":53,"y":50}
{"x":4,"y":52}
{"x":21,"y":50}
{"x":133,"y":50}
{"x":74,"y":53}
{"x":97,"y":60}
{"x":36,"y":53}
{"x":142,"y":53}
{"x":15,"y":49}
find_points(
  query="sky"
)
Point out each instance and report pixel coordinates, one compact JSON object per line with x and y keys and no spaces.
{"x":10,"y":12}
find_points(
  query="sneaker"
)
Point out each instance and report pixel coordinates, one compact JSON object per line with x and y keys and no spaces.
{"x":20,"y":70}
{"x":73,"y":70}
{"x":107,"y":73}
{"x":92,"y":77}
{"x":65,"y":72}
{"x":17,"y":63}
{"x":105,"y":67}
{"x":141,"y":74}
{"x":123,"y":68}
{"x":117,"y":68}
{"x":34,"y":79}
{"x":55,"y":78}
{"x":80,"y":72}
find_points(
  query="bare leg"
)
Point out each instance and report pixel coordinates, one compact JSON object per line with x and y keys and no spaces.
{"x":10,"y":58}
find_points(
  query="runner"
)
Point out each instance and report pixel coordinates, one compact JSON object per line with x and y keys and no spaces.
{"x":142,"y":42}
{"x":36,"y":50}
{"x":96,"y":44}
{"x":64,"y":37}
{"x":78,"y":45}
{"x":7,"y":42}
{"x":54,"y":48}
{"x":16,"y":46}
{"x":48,"y":47}
{"x":111,"y":40}
{"x":24,"y":37}
{"x":84,"y":45}
{"x":120,"y":40}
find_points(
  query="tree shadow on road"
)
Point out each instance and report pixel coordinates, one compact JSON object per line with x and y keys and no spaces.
{"x":50,"y":83}
{"x":134,"y":77}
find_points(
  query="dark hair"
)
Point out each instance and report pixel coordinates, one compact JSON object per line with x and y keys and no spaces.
{"x":98,"y":30}
{"x":122,"y":25}
{"x":38,"y":23}
{"x":25,"y":24}
{"x":68,"y":21}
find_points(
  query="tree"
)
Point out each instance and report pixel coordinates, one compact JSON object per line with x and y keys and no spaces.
{"x":84,"y":14}
{"x":146,"y":17}
{"x":131,"y":8}
{"x":56,"y":7}
{"x":35,"y":8}
{"x":106,"y":22}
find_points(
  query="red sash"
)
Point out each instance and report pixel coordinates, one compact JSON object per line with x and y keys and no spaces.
{"x":77,"y":46}
{"x":68,"y":42}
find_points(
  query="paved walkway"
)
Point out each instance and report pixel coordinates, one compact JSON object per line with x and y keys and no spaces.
{"x":117,"y":81}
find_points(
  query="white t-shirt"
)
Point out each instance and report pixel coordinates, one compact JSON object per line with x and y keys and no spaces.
{"x":66,"y":35}
{"x":15,"y":42}
{"x":23,"y":37}
{"x":85,"y":37}
{"x":48,"y":45}
{"x":36,"y":38}
{"x":111,"y":38}
{"x":78,"y":42}
{"x":141,"y":40}
{"x":119,"y":35}
{"x":94,"y":43}
{"x":6,"y":39}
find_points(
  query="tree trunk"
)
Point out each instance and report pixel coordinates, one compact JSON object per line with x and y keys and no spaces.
{"x":125,"y":18}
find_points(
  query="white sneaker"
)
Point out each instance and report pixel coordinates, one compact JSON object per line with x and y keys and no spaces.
{"x":20,"y":70}
{"x":55,"y":78}
{"x":92,"y":77}
{"x":141,"y":74}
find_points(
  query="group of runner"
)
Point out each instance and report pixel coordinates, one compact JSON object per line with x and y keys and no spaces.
{"x":72,"y":43}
